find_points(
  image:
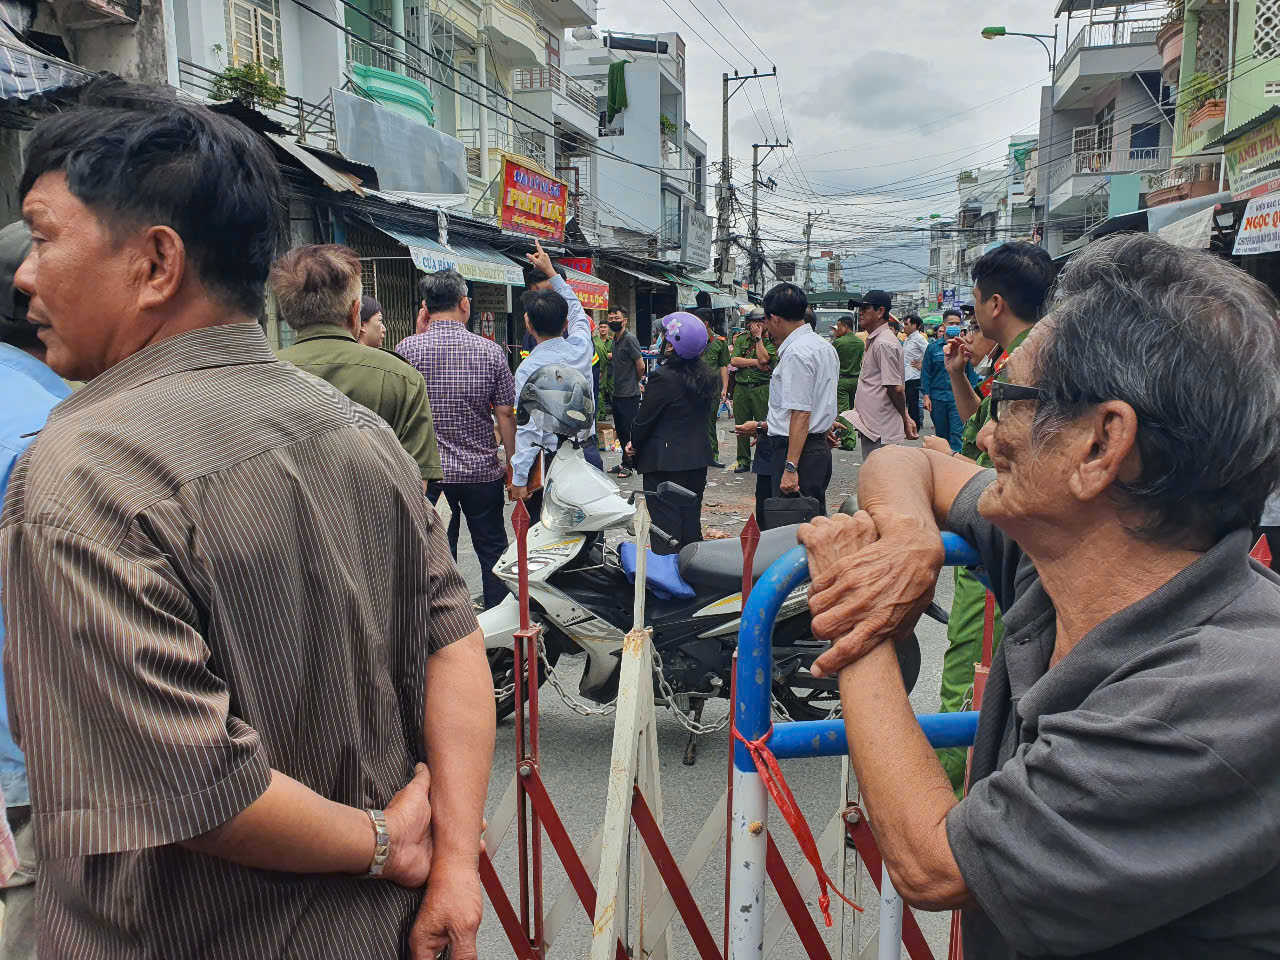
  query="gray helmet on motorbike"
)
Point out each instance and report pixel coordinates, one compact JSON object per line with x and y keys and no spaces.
{"x":557,"y":399}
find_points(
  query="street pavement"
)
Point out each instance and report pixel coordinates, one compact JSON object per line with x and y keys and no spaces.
{"x":575,"y":753}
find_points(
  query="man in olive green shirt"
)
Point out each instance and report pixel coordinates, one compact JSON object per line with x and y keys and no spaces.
{"x":753,"y":357}
{"x":716,"y":356}
{"x":318,"y":290}
{"x":604,"y":371}
{"x":850,"y":348}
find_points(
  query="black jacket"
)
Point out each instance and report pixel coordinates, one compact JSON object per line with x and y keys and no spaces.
{"x":670,"y":432}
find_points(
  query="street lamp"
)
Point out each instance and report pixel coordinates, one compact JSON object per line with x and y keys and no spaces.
{"x":991,"y":33}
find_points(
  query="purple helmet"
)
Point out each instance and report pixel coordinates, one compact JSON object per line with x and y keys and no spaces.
{"x":686,"y":334}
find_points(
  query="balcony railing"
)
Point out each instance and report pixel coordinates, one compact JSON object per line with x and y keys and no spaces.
{"x":308,"y":122}
{"x":1109,"y":161}
{"x":555,"y":80}
{"x":1113,"y":33}
{"x":386,"y":58}
{"x":512,"y":142}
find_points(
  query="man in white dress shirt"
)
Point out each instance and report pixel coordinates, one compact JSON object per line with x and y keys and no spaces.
{"x":793,"y":451}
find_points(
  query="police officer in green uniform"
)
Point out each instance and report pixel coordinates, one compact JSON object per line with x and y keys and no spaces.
{"x":601,"y":364}
{"x":1010,"y":285}
{"x":716,"y":357}
{"x":753,"y":357}
{"x":850,"y":348}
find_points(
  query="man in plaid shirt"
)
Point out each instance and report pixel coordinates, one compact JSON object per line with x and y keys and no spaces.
{"x":470,"y":385}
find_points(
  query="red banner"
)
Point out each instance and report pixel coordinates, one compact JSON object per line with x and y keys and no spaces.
{"x":592,"y":296}
{"x":581,"y":264}
{"x":532,"y":203}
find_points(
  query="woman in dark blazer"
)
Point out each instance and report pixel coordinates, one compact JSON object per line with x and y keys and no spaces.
{"x":669,"y":438}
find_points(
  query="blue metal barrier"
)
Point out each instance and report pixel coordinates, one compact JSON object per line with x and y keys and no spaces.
{"x":817,"y":738}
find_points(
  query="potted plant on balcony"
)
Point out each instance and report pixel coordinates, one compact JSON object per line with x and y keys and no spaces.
{"x":1203,"y":99}
{"x":668,"y":126}
{"x":251,"y":83}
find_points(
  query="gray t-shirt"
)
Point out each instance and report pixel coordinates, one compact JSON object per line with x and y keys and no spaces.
{"x":1126,"y":803}
{"x":626,"y":351}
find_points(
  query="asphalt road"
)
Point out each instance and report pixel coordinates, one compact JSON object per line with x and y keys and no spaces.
{"x":576,"y":756}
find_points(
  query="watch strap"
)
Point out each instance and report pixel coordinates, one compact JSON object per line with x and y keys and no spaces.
{"x":381,"y":843}
{"x":791,"y":467}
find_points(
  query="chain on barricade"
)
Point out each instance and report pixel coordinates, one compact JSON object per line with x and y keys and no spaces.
{"x":576,"y":704}
{"x":669,"y":696}
{"x":501,"y":693}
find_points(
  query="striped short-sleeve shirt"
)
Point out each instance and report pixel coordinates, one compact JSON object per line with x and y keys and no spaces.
{"x":215,"y":565}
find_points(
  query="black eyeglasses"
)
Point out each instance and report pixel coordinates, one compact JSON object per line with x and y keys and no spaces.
{"x":1002,"y":392}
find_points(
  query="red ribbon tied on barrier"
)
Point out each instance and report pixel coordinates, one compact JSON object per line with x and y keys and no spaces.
{"x":767,"y":766}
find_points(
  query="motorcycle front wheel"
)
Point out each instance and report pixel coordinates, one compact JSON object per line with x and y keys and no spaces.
{"x":502,"y":666}
{"x":807,"y":698}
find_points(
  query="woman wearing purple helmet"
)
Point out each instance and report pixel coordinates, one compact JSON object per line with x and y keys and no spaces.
{"x":669,"y":438}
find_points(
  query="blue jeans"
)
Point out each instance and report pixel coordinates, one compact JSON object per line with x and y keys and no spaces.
{"x":946,"y":422}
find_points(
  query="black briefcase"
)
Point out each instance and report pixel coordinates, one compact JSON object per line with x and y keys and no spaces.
{"x":784,"y":511}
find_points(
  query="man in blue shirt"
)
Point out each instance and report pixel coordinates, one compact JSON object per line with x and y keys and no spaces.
{"x":28,"y":391}
{"x":546,"y":319}
{"x":935,"y":387}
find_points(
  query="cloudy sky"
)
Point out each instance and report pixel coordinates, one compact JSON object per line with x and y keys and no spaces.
{"x":884,"y":102}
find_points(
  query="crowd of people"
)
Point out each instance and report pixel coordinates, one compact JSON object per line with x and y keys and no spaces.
{"x":249,"y":710}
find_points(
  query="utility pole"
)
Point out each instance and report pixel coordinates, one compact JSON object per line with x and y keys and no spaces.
{"x":757,"y":255}
{"x":809,"y":220}
{"x":724,"y":202}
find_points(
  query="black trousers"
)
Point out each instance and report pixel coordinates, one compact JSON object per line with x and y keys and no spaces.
{"x":624,"y":417}
{"x":913,"y":401}
{"x":682,"y":521}
{"x":814,"y":467}
{"x":483,"y":504}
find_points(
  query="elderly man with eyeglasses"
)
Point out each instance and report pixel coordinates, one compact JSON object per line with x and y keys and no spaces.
{"x":1126,"y":773}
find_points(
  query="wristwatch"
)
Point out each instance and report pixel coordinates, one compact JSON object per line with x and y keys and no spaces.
{"x":381,"y":843}
{"x":791,"y":467}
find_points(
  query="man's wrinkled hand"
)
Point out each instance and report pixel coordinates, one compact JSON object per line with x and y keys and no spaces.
{"x":830,"y":543}
{"x":878,"y":592}
{"x":408,"y":818}
{"x":450,"y":913}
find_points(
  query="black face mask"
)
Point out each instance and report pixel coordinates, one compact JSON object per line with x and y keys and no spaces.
{"x":615,"y":326}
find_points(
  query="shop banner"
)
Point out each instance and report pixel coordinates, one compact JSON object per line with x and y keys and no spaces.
{"x":581,"y":264}
{"x":1193,"y":231}
{"x":1247,"y":156}
{"x":1260,"y":227}
{"x":592,"y":296}
{"x":532,"y":203}
{"x":429,"y":260}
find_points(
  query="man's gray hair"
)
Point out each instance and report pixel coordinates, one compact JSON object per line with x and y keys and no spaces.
{"x":442,"y":290}
{"x":1193,"y":345}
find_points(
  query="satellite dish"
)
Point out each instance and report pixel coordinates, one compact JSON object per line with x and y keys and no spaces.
{"x":584,"y":33}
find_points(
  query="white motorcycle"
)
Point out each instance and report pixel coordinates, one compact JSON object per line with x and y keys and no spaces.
{"x":580,"y":590}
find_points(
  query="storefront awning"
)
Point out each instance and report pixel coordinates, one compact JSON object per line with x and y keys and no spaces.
{"x":698,"y":285}
{"x":477,"y":263}
{"x":639,"y":275}
{"x":593,"y":293}
{"x":26,"y":73}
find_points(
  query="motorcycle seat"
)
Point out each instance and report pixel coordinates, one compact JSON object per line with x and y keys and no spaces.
{"x":661,"y":573}
{"x":716,"y":565}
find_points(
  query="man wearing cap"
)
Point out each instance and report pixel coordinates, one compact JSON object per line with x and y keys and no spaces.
{"x":28,"y":391}
{"x":880,"y":406}
{"x":754,"y":357}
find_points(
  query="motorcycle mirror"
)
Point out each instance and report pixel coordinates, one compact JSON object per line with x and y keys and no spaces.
{"x":674,"y":491}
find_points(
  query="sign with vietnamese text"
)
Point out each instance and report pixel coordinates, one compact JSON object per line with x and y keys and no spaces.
{"x":532,"y":203}
{"x":1248,"y":157}
{"x":581,"y":264}
{"x":949,"y":297}
{"x":489,"y":298}
{"x":695,"y":237}
{"x":1260,"y":227}
{"x":592,"y":294}
{"x":431,"y":259}
{"x":1193,"y":231}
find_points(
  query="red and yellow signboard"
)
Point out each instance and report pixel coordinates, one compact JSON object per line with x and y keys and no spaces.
{"x":592,"y":296}
{"x":533,"y":203}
